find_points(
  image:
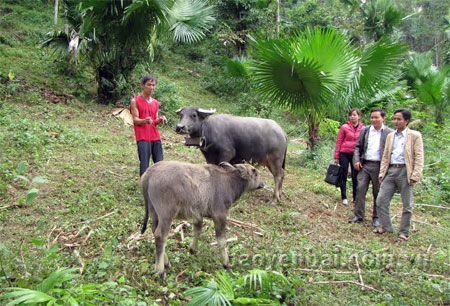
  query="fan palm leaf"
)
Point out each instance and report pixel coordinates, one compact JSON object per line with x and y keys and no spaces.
{"x":379,"y":64}
{"x":308,"y":67}
{"x":190,"y":19}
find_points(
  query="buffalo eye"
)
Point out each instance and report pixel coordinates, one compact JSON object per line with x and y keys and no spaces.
{"x":194,"y":115}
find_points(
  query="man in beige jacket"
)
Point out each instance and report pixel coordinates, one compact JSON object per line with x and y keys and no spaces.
{"x":401,"y":167}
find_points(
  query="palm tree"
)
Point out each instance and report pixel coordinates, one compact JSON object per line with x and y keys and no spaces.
{"x":380,"y":16}
{"x":319,"y":72}
{"x":430,"y":84}
{"x":117,"y":35}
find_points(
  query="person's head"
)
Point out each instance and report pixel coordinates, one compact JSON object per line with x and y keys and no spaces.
{"x":402,"y":117}
{"x":377,"y":116}
{"x":148,"y":84}
{"x":354,"y":115}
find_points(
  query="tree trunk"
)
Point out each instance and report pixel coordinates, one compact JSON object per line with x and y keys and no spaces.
{"x":105,"y":85}
{"x":313,"y":135}
{"x":55,"y":14}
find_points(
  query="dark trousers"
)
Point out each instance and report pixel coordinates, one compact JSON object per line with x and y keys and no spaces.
{"x":345,"y":159}
{"x":369,"y":172}
{"x":147,"y":149}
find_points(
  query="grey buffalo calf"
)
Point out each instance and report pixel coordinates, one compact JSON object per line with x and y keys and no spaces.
{"x":226,"y":138}
{"x":190,"y":191}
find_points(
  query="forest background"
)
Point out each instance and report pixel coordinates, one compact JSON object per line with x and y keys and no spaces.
{"x":69,"y":191}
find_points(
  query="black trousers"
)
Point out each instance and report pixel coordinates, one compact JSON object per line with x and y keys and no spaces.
{"x":344,"y":160}
{"x":147,"y":149}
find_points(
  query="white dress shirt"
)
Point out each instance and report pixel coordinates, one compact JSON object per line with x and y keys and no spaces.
{"x":398,"y":149}
{"x":373,"y":151}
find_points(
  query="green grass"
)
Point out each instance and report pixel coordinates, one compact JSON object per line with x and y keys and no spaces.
{"x":92,"y":204}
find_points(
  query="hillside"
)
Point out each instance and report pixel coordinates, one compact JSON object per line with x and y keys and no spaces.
{"x":88,"y":211}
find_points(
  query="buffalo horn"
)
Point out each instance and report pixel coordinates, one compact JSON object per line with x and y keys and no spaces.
{"x":206,"y":112}
{"x":227,"y":166}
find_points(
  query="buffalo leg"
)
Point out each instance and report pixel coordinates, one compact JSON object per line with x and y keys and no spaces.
{"x":161,"y":233}
{"x":220,"y":223}
{"x":197,"y":230}
{"x":275,"y":167}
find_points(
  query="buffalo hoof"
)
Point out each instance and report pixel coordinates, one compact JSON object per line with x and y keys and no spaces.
{"x":227,"y":267}
{"x":192,"y":251}
{"x":167,"y":265}
{"x":273,"y":203}
{"x":162,"y":275}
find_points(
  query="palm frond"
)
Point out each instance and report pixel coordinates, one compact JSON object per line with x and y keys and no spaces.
{"x":417,"y":67}
{"x":379,"y":65}
{"x":306,"y":70}
{"x":237,"y":67}
{"x":208,"y":295}
{"x":434,"y":89}
{"x":57,"y":278}
{"x":190,"y":19}
{"x":26,"y":296}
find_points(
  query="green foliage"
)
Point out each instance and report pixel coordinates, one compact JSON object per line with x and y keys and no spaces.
{"x":52,"y":291}
{"x":429,"y":83}
{"x":320,"y":73}
{"x":32,"y":191}
{"x":258,"y":287}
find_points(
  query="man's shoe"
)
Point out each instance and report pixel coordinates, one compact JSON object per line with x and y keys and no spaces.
{"x":355,"y":220}
{"x":376,"y":223}
{"x":345,"y":202}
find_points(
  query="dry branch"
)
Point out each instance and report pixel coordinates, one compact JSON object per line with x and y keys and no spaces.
{"x":228,"y":240}
{"x":95,"y":219}
{"x":434,"y":206}
{"x":325,"y":271}
{"x":346,"y":282}
{"x":359,"y":273}
{"x":254,"y":228}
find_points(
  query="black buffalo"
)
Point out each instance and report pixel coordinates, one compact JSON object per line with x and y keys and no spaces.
{"x":226,"y":138}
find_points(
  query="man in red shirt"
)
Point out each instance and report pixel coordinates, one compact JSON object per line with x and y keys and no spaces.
{"x":144,"y":110}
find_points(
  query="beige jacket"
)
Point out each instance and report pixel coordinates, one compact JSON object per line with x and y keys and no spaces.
{"x":414,"y":155}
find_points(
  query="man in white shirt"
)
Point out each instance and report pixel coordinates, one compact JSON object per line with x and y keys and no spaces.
{"x":366,"y":159}
{"x":401,"y":167}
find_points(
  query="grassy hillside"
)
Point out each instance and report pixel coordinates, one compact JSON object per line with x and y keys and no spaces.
{"x":88,"y":211}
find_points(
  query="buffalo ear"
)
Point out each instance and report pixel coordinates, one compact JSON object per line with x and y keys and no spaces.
{"x":178,"y":111}
{"x":227,"y":166}
{"x":243,"y":171}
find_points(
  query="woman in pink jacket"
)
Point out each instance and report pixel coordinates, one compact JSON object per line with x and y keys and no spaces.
{"x":345,"y":144}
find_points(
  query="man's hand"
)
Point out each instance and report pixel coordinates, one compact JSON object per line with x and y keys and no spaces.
{"x":148,"y":120}
{"x":336,"y":161}
{"x":412,"y":182}
{"x":358,"y":166}
{"x":163,"y":119}
{"x":380,"y":179}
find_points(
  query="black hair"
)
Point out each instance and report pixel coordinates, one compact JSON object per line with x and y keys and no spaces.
{"x":405,"y":113}
{"x":148,"y":77}
{"x":382,"y":112}
{"x":354,"y":110}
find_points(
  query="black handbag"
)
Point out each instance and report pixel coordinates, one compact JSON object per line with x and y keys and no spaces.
{"x":334,"y":175}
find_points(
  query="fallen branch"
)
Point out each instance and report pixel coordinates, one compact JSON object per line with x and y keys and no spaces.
{"x":325,"y":271}
{"x":425,"y":223}
{"x":228,"y":240}
{"x":255,"y":229}
{"x":346,"y":282}
{"x":359,"y":273}
{"x":434,"y":206}
{"x":95,"y":219}
{"x":179,"y":275}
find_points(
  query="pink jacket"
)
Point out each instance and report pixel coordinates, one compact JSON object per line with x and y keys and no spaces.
{"x":346,"y":139}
